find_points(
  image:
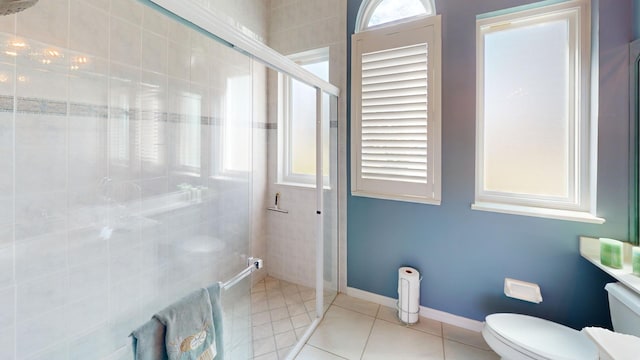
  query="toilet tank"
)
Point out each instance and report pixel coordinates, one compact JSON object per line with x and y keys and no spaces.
{"x":624,"y":306}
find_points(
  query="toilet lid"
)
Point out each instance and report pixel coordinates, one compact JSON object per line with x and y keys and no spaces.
{"x":542,"y":337}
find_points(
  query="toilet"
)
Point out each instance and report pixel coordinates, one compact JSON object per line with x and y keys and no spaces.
{"x":522,"y":337}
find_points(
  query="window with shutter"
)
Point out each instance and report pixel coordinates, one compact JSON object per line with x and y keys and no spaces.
{"x":396,"y":112}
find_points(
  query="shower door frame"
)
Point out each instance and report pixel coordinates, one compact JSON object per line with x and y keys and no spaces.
{"x":206,"y":20}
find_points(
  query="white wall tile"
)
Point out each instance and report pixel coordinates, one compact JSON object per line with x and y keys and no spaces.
{"x":125,"y":41}
{"x":48,"y":22}
{"x":38,"y":334}
{"x":57,"y":351}
{"x":41,"y":143}
{"x":86,"y":314}
{"x":90,"y":279}
{"x":101,"y":4}
{"x":42,"y":72}
{"x":6,"y":265}
{"x":7,"y":304}
{"x":127,"y":10}
{"x":47,"y":293}
{"x":7,"y":341}
{"x":8,"y":24}
{"x":39,"y":214}
{"x":40,"y":256}
{"x":154,"y":52}
{"x":88,"y":29}
{"x":98,"y":343}
{"x":179,"y":60}
{"x":154,"y":21}
{"x":178,"y":32}
{"x":88,"y":79}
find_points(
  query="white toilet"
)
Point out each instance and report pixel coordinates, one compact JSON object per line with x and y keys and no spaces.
{"x":520,"y":337}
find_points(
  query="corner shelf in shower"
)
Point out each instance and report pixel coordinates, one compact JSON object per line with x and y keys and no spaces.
{"x":276,"y":209}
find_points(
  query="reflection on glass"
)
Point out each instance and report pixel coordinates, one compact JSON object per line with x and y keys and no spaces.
{"x":303,"y":128}
{"x":189,"y":140}
{"x":119,"y":134}
{"x":302,"y":125}
{"x":150,"y":134}
{"x":237,"y":125}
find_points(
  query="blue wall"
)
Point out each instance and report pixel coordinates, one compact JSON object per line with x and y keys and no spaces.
{"x":465,"y":255}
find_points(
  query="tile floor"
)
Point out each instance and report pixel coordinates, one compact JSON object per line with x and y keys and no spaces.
{"x":281,"y":313}
{"x":356,"y":329}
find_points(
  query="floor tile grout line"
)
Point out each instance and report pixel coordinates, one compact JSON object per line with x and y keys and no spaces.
{"x":278,"y":290}
{"x":469,"y":345}
{"x":328,"y":352}
{"x":355,"y":311}
{"x":369,"y":336}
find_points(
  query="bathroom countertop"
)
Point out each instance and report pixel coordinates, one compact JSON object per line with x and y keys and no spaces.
{"x":590,"y":250}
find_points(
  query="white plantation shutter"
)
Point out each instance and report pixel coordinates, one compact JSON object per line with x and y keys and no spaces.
{"x":395,"y":112}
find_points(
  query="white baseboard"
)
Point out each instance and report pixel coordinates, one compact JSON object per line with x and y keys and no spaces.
{"x":444,"y":317}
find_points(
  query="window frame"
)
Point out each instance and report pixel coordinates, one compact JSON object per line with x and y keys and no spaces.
{"x":580,"y":203}
{"x":423,"y":30}
{"x":368,"y":8}
{"x":285,"y":174}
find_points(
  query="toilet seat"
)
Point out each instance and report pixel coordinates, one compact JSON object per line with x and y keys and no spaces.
{"x":515,"y":336}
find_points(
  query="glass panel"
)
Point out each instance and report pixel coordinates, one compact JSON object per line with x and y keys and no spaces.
{"x":392,"y":10}
{"x":237,"y":125}
{"x":238,"y":340}
{"x":114,"y":214}
{"x":190,"y":139}
{"x":303,"y":127}
{"x":527,"y":147}
{"x":330,"y":200}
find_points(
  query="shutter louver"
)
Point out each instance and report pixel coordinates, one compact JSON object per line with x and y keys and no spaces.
{"x":394,"y":114}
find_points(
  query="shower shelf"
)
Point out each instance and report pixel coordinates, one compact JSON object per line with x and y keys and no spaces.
{"x":278,"y":210}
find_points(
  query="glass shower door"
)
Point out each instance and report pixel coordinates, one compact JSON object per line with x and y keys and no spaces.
{"x":329,"y":238}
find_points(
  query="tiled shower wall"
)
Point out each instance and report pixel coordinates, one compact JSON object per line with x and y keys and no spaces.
{"x":297,"y":26}
{"x":116,"y":197}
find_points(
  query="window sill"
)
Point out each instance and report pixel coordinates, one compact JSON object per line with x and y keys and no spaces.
{"x":413,"y":199}
{"x":567,"y":215}
{"x":301,"y":185}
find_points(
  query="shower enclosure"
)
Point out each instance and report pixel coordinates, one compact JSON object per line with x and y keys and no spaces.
{"x":133,"y":171}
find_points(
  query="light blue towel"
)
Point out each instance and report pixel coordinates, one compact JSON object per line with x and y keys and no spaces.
{"x":190,"y":334}
{"x":216,"y":307}
{"x":148,"y":341}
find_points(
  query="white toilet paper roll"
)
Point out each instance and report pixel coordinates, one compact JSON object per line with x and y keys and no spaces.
{"x":408,"y":294}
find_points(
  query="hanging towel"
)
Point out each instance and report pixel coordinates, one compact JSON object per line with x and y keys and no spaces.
{"x":190,"y":334}
{"x":216,"y":308}
{"x":148,"y":341}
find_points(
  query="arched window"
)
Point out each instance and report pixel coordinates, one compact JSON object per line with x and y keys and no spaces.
{"x":395,"y":101}
{"x":377,"y":12}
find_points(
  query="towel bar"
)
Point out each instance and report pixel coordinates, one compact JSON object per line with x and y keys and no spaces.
{"x":254,"y":264}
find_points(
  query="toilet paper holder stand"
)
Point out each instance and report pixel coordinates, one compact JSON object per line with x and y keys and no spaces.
{"x":400,"y":310}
